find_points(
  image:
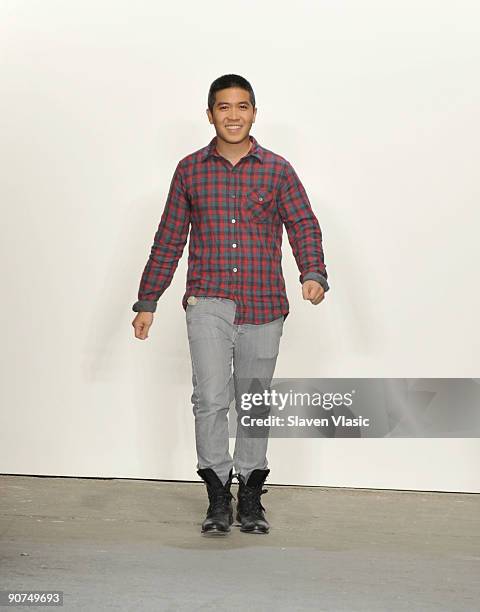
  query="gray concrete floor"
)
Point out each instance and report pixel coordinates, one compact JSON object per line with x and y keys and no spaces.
{"x":136,"y":545}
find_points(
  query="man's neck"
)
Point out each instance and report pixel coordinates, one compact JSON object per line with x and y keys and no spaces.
{"x":233,"y":152}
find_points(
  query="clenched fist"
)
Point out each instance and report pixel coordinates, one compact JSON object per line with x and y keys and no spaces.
{"x":313,"y":291}
{"x":141,"y":323}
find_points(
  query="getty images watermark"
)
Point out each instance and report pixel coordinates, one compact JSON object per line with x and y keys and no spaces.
{"x":274,"y":398}
{"x":357,"y":407}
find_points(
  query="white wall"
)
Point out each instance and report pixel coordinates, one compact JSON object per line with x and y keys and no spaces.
{"x":376,"y":106}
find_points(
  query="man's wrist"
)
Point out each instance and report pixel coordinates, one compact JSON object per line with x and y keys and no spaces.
{"x":145,"y":306}
{"x":316,"y":276}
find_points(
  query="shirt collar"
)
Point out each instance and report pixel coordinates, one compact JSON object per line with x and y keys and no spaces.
{"x":256,"y":149}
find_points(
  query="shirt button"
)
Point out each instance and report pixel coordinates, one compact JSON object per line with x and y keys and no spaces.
{"x":234,"y":245}
{"x":233,"y":220}
{"x":233,"y":195}
{"x":234,"y":269}
{"x":261,"y":199}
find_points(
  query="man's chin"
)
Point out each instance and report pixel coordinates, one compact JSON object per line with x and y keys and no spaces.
{"x":234,"y":138}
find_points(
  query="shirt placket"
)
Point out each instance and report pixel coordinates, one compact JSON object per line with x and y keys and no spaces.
{"x":234,"y":239}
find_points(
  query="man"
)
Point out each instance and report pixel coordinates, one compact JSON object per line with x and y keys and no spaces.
{"x":236,"y":195}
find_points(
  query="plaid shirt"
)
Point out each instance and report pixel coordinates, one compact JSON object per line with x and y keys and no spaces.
{"x":237,"y":215}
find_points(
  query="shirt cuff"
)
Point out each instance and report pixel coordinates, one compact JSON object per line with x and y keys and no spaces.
{"x":316,"y":276}
{"x":144,"y":306}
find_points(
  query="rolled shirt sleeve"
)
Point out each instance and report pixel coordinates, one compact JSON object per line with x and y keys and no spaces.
{"x":168,"y":245}
{"x":303,"y":229}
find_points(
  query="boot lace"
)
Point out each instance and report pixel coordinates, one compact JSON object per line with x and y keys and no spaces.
{"x":219,"y":499}
{"x":251,"y":500}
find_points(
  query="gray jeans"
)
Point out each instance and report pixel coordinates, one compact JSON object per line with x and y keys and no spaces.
{"x":215,"y":344}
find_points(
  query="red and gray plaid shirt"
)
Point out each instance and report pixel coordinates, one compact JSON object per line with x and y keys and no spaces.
{"x":236,"y":215}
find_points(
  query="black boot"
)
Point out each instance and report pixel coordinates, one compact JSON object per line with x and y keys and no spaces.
{"x":220,"y":510}
{"x":250,"y":512}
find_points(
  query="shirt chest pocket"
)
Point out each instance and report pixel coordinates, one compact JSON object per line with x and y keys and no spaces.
{"x":260,"y":205}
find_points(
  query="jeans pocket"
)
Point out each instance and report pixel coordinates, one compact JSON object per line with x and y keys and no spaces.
{"x":268,"y":343}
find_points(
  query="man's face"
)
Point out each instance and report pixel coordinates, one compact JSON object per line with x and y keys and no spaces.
{"x":232,"y":108}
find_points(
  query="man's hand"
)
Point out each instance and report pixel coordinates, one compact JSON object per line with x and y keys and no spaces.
{"x":142,"y":323}
{"x":313,"y":291}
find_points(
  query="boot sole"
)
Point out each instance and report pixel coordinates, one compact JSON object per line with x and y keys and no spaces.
{"x":215,"y":532}
{"x":255,"y":531}
{"x":218,"y":532}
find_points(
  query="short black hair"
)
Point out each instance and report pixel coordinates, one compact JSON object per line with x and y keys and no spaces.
{"x":229,"y":80}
